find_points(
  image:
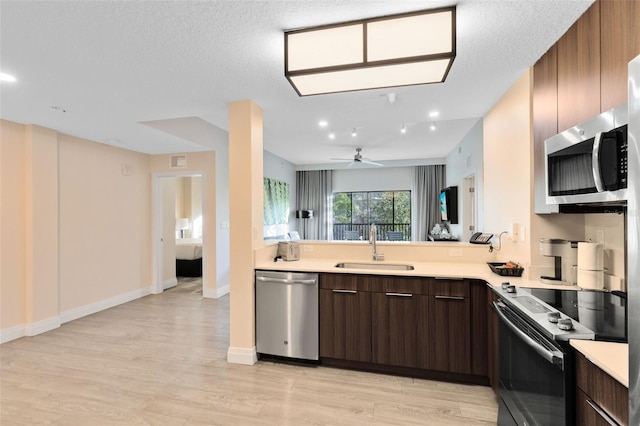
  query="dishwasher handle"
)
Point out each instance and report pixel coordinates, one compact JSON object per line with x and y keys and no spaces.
{"x":286,"y":280}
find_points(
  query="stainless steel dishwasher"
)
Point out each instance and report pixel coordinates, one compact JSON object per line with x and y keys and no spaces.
{"x":287,"y":314}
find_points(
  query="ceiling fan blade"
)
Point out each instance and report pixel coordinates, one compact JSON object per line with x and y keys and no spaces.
{"x":373,"y":163}
{"x":342,"y":159}
{"x":351,"y":163}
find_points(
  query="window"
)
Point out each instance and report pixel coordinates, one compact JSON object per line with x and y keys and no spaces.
{"x":355,"y":211}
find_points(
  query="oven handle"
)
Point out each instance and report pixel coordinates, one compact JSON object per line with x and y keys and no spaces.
{"x":553,"y":357}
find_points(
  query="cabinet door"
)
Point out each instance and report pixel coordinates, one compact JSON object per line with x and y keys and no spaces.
{"x":400,"y":334}
{"x":449,"y":331}
{"x":545,"y":121}
{"x":479,"y":352}
{"x":345,"y":324}
{"x":619,"y":42}
{"x":492,"y":339}
{"x":588,"y":413}
{"x":579,"y":70}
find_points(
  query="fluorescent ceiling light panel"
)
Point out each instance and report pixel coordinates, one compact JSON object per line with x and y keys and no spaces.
{"x":399,"y":50}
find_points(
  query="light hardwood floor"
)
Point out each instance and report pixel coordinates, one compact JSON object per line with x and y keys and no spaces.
{"x":161,"y":360}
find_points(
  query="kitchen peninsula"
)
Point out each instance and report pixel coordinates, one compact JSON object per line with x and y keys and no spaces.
{"x":451,"y":288}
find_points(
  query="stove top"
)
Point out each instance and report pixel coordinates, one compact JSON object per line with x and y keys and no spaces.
{"x":541,"y":314}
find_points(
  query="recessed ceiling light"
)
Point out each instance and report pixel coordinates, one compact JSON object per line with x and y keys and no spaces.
{"x":434,"y":114}
{"x":332,"y":135}
{"x":7,"y":77}
{"x":323,"y":123}
{"x":403,"y":129}
{"x":354,"y":133}
{"x":433,"y":126}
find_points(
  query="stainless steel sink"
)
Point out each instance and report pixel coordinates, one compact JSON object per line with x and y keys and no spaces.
{"x":385,"y":266}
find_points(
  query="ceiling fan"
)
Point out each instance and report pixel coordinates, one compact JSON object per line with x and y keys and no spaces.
{"x":358,"y":158}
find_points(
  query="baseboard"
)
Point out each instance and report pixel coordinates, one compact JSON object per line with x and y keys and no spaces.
{"x":92,"y":308}
{"x":35,"y":328}
{"x":31,"y":329}
{"x":242,"y":356}
{"x":12,"y":333}
{"x":169,"y":283}
{"x":217,"y":293}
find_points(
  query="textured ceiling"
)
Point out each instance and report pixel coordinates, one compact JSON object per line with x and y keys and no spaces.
{"x":109,"y":66}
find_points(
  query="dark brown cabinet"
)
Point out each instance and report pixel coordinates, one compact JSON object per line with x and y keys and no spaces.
{"x":432,"y":328}
{"x":600,"y":399}
{"x":492,"y":341}
{"x":449,"y":319}
{"x":345,"y":319}
{"x":545,"y":120}
{"x":579,"y":70}
{"x":619,"y":43}
{"x":400,"y":335}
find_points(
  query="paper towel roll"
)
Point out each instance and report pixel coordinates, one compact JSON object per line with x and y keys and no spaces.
{"x":590,"y":257}
{"x":592,"y":280}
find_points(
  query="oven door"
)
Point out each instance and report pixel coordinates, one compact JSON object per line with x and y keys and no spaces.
{"x":534,"y":375}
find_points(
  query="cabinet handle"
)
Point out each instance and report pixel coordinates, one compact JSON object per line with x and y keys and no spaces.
{"x":399,"y":294}
{"x":345,"y":291}
{"x":450,"y":297}
{"x":450,"y":278}
{"x":602,"y":413}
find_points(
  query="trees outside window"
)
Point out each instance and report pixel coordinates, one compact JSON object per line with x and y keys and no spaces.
{"x":355,"y":211}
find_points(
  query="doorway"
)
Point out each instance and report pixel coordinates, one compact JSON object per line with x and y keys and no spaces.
{"x":170,"y":212}
{"x":469,"y":207}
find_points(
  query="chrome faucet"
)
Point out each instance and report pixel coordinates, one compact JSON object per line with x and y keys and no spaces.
{"x":372,"y":240}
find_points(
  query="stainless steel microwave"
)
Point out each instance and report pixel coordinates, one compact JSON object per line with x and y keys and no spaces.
{"x":588,"y":162}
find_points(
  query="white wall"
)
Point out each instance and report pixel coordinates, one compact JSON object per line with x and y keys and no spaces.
{"x":372,"y":179}
{"x":463,"y":161}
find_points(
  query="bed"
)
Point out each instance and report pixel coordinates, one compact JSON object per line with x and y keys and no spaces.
{"x":189,"y":257}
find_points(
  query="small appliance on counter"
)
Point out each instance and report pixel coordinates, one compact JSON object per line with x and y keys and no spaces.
{"x":590,"y":266}
{"x":288,"y":251}
{"x":566,"y":257}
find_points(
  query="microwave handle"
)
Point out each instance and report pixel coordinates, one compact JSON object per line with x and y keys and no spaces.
{"x":595,"y":164}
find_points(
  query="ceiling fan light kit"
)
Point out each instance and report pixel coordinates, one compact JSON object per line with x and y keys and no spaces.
{"x":390,"y":51}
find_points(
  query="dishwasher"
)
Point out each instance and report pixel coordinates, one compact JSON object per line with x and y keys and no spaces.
{"x":287,"y":314}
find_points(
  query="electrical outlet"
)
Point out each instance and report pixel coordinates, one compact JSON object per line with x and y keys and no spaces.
{"x":600,"y":236}
{"x":307,"y":248}
{"x":522,"y":232}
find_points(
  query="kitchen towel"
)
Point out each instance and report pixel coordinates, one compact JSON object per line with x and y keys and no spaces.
{"x":590,"y":257}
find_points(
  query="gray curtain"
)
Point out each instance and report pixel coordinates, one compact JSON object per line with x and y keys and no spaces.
{"x":313,"y":190}
{"x":425,"y":212}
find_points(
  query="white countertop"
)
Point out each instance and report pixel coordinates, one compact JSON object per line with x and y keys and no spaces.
{"x":611,"y":357}
{"x":479,"y":271}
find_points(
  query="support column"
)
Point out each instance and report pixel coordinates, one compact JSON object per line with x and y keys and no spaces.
{"x":246,"y":225}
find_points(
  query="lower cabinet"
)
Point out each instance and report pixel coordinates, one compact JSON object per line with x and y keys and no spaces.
{"x":345,"y":319}
{"x":449,"y":326}
{"x":426,"y":324}
{"x":600,"y":399}
{"x":400,"y":335}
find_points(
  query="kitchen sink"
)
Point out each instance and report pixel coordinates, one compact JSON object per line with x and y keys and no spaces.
{"x":386,"y":266}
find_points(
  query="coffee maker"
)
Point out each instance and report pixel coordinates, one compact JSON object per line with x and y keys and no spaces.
{"x":565,"y":254}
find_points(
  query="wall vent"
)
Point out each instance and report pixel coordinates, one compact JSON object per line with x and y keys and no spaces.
{"x":178,"y":161}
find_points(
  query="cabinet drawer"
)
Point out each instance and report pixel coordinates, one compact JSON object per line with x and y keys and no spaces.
{"x":606,"y":392}
{"x":405,"y":285}
{"x":449,"y":287}
{"x":339,"y":282}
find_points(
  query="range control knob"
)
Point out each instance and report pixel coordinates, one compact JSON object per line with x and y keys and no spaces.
{"x":553,"y":316}
{"x":565,"y":324}
{"x":511,"y":289}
